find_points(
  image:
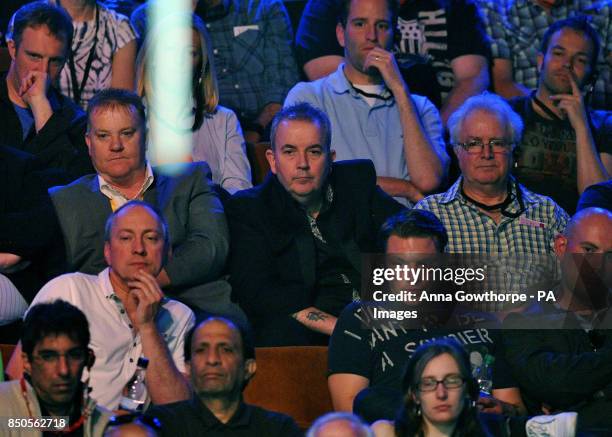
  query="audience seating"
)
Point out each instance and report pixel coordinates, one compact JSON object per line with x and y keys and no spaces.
{"x":256,"y":153}
{"x":291,"y":380}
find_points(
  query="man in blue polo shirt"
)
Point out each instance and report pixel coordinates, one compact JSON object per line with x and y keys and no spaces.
{"x":372,"y":111}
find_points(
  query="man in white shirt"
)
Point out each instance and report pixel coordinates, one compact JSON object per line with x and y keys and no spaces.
{"x":128,"y":314}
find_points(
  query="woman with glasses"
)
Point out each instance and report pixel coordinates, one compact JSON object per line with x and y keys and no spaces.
{"x":440,"y":395}
{"x":212,"y":131}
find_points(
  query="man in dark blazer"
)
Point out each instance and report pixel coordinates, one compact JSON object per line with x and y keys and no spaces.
{"x":297,"y":239}
{"x":187,"y":199}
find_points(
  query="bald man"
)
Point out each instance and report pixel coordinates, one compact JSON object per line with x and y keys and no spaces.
{"x":570,"y":369}
{"x":339,"y":425}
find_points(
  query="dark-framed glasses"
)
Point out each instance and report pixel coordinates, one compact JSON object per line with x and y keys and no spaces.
{"x":73,"y":356}
{"x":476,"y":147}
{"x":449,"y":382}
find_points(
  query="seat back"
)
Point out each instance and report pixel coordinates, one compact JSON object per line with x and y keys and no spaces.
{"x":291,"y":380}
{"x":256,"y":153}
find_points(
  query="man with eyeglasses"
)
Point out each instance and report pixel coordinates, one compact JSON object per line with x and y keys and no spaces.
{"x":566,"y":146}
{"x":486,"y":210}
{"x":55,"y":353}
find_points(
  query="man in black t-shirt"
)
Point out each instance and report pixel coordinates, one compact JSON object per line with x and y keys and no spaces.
{"x":370,"y":357}
{"x":566,"y":147}
{"x":220,"y":360}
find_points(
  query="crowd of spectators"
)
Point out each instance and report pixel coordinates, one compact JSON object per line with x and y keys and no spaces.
{"x":404,"y":128}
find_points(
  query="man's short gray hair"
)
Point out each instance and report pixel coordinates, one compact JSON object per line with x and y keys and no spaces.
{"x":361,"y":428}
{"x":110,"y":221}
{"x":492,"y":104}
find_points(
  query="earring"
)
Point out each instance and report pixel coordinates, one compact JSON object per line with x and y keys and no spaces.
{"x":418,"y":409}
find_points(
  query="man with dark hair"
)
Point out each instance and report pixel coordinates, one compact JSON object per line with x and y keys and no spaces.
{"x":516,"y":29}
{"x":34,"y":116}
{"x":297,"y":239}
{"x":566,"y":146}
{"x":55,"y":352}
{"x":220,"y":360}
{"x":366,"y":363}
{"x":116,"y":137}
{"x":441,"y":46}
{"x":128,"y":313}
{"x":373,"y":113}
{"x":599,"y":195}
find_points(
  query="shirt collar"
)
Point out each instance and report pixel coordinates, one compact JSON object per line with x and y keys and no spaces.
{"x":454,"y":193}
{"x":340,"y":84}
{"x":241,"y":418}
{"x":115,"y":195}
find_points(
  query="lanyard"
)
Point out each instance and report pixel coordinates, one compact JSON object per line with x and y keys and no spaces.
{"x":544,"y":108}
{"x":76,"y":425}
{"x":502,"y":206}
{"x":76,"y":89}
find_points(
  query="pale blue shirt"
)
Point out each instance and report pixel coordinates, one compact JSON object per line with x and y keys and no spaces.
{"x":361,"y":131}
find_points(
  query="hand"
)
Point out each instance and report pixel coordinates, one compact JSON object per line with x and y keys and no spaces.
{"x":385,"y":63}
{"x":143,"y":299}
{"x":8,"y":260}
{"x":33,"y":88}
{"x":572,"y":105}
{"x":488,"y":404}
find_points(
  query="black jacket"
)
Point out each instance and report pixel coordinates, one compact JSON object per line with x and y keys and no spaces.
{"x":272,"y":251}
{"x":60,"y":144}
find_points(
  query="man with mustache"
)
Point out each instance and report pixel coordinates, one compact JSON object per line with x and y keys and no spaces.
{"x":297,"y":239}
{"x":566,"y":146}
{"x":220,"y":360}
{"x":372,"y":111}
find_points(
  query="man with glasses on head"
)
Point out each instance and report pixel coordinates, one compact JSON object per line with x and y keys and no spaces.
{"x":486,"y":210}
{"x":55,"y":353}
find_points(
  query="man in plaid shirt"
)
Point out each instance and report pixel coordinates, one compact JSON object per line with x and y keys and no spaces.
{"x":486,"y":211}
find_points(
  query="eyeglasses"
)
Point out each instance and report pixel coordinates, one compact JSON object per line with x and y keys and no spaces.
{"x":73,"y":356}
{"x":449,"y":382}
{"x":476,"y":147}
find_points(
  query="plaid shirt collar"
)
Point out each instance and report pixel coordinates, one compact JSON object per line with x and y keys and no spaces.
{"x":454,"y":193}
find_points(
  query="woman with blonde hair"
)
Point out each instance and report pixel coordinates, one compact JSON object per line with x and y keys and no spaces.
{"x":216,"y":135}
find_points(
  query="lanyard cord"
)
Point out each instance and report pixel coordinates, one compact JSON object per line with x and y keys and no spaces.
{"x":502,"y":205}
{"x":544,"y":108}
{"x":76,"y":89}
{"x":76,"y":425}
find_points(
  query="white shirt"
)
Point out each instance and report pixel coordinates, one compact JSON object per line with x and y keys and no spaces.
{"x":116,"y":346}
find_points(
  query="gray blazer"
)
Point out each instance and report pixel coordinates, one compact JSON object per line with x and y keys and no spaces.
{"x":196,"y":222}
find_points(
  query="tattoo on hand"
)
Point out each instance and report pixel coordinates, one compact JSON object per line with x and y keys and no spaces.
{"x":316,"y":316}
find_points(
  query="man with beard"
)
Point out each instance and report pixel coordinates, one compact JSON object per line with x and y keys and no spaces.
{"x":566,"y":146}
{"x":55,"y":351}
{"x":220,"y":360}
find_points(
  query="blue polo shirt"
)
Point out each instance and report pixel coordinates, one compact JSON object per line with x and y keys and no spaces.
{"x":361,"y":131}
